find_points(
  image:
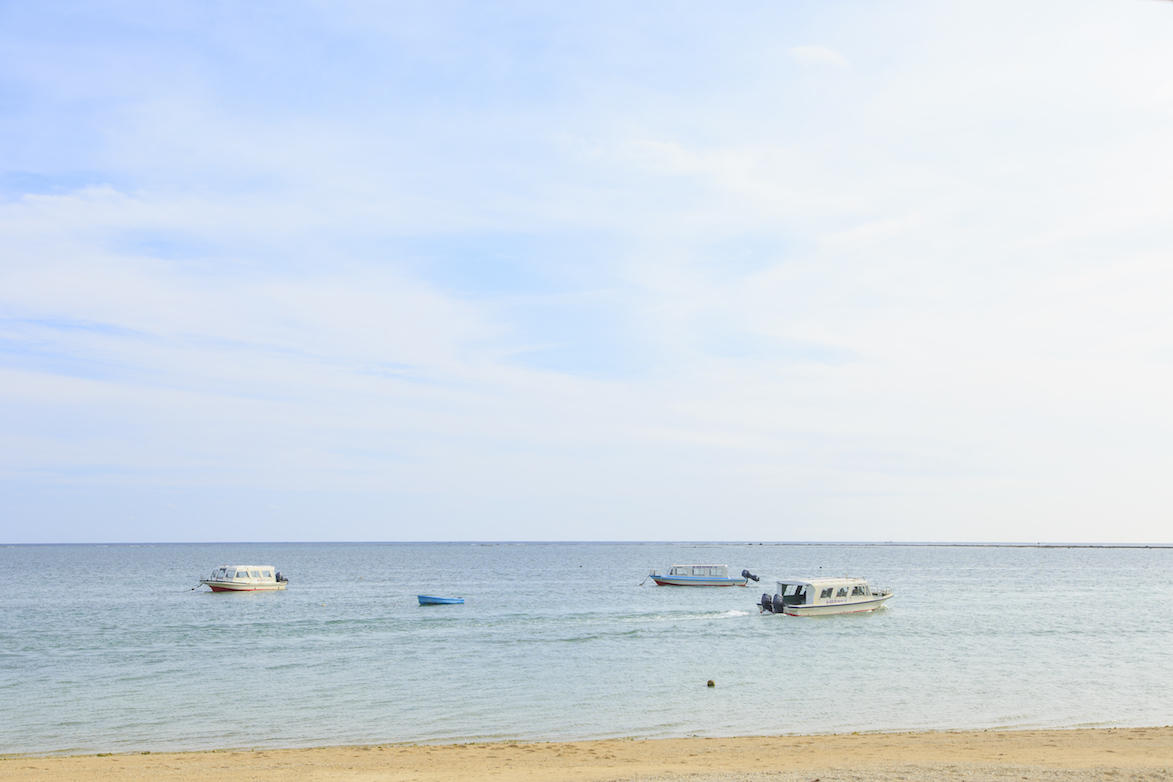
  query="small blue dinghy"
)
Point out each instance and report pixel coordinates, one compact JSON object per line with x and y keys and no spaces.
{"x":432,"y":600}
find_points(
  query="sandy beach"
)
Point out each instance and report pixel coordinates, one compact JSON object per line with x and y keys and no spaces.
{"x":1114,"y":753}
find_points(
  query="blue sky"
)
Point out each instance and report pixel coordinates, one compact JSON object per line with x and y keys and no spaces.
{"x":769,"y":271}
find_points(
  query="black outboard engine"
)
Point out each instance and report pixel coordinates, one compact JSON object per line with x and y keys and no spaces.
{"x":779,"y":605}
{"x":767,"y":602}
{"x":750,"y":576}
{"x":281,"y":577}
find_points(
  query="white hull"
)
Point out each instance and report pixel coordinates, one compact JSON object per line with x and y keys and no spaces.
{"x":239,"y":586}
{"x":857,"y":607}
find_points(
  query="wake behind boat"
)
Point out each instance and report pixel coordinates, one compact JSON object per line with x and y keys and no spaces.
{"x":820,"y":596}
{"x":700,"y":575}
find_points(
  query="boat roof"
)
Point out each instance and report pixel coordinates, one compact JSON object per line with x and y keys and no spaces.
{"x":823,"y":582}
{"x":697,"y":564}
{"x":245,"y":567}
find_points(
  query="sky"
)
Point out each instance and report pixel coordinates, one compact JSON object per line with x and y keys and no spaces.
{"x":762,"y":271}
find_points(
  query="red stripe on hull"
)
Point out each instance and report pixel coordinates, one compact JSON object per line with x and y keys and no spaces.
{"x":227,"y":589}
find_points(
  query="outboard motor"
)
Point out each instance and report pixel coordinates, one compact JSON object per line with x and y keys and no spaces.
{"x":281,"y":577}
{"x":779,"y":605}
{"x":767,"y":602}
{"x":750,"y":576}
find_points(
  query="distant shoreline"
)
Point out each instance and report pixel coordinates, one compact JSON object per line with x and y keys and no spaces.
{"x":930,"y":756}
{"x":982,"y":545}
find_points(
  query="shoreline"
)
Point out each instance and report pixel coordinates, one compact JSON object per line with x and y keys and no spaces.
{"x":1060,"y":754}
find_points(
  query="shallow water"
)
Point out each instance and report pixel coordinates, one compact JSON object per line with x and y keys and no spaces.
{"x":105,"y":648}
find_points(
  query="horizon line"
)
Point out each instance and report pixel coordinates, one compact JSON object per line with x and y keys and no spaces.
{"x":894,"y":543}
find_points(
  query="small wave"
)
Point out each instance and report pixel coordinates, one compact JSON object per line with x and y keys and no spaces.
{"x":587,"y":637}
{"x":678,"y":616}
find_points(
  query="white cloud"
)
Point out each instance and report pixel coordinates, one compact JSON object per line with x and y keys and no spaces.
{"x":817,"y":56}
{"x":924,"y":301}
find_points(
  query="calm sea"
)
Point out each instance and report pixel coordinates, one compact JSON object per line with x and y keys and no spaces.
{"x":105,"y":648}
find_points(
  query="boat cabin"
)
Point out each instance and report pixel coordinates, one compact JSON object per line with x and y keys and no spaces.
{"x":246,"y":573}
{"x":824,"y":591}
{"x":720,"y":571}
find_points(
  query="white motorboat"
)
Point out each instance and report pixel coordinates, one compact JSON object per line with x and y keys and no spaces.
{"x":821,"y":596}
{"x":245,"y":578}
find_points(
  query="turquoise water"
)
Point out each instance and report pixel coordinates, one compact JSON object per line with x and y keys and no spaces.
{"x":105,"y":648}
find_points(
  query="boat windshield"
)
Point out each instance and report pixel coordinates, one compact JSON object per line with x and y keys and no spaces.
{"x":794,"y":594}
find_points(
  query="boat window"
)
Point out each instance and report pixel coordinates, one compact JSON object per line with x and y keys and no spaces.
{"x":242,"y":574}
{"x":255,"y":573}
{"x":858,"y":591}
{"x":791,"y":590}
{"x":267,"y":573}
{"x":842,"y":592}
{"x":826,"y":593}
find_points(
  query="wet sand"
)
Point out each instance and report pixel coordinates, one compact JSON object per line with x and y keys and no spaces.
{"x":1099,"y":754}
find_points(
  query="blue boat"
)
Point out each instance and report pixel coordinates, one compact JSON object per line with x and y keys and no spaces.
{"x":432,"y":600}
